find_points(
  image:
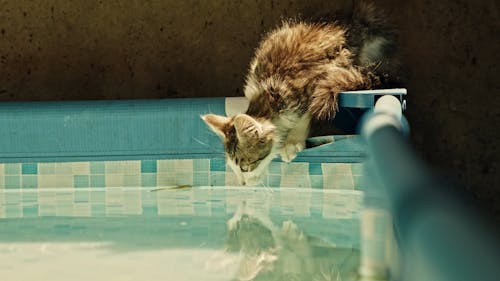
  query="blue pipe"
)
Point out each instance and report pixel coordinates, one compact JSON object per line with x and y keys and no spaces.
{"x":442,"y":235}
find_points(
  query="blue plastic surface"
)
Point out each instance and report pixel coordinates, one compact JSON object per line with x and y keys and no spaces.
{"x":122,"y":129}
{"x":366,"y":99}
{"x":138,"y":129}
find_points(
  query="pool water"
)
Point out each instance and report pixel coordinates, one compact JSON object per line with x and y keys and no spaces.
{"x":202,"y":233}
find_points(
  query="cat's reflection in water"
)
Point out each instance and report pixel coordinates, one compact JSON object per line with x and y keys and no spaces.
{"x":256,"y":249}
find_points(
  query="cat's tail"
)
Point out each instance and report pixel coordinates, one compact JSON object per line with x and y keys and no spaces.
{"x":324,"y":99}
{"x":373,"y":41}
{"x":371,"y":36}
{"x":365,"y":13}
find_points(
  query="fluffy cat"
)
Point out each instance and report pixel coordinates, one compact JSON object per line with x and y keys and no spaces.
{"x":295,"y":77}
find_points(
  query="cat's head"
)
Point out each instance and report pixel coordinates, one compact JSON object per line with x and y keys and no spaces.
{"x":249,"y":144}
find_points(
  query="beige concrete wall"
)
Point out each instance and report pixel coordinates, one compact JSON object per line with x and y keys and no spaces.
{"x":84,"y":49}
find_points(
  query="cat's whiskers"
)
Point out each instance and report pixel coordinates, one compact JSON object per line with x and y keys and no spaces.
{"x":205,"y":144}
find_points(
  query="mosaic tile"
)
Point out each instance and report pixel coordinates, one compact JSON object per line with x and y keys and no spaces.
{"x":47,"y":168}
{"x":29,"y":168}
{"x":82,"y":196}
{"x":97,"y":181}
{"x":184,"y":178}
{"x":218,"y":165}
{"x":295,"y":169}
{"x":274,"y":180}
{"x":29,"y":197}
{"x":148,"y":180}
{"x":12,"y":169}
{"x":201,"y":165}
{"x":97,"y":167}
{"x":55,"y":181}
{"x":200,"y":179}
{"x":165,"y":166}
{"x":295,"y":181}
{"x":13,"y":211}
{"x":114,"y":180}
{"x":30,"y":211}
{"x":148,"y":166}
{"x":122,"y":167}
{"x":81,"y":168}
{"x":30,"y":181}
{"x":64,"y":168}
{"x":165,"y":179}
{"x":82,"y":209}
{"x":316,"y":181}
{"x":12,"y":181}
{"x":82,"y":181}
{"x":217,"y":179}
{"x":151,"y":173}
{"x":315,"y":169}
{"x":275,"y":168}
{"x":132,"y":180}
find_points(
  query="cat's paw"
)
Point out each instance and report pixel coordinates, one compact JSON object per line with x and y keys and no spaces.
{"x":290,"y":150}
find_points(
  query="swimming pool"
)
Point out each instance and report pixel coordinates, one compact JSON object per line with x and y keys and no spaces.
{"x":79,"y":197}
{"x":179,"y":234}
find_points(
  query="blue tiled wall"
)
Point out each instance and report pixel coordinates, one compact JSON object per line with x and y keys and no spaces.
{"x":154,"y":173}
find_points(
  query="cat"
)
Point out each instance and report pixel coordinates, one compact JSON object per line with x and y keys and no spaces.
{"x":267,"y":252}
{"x":295,"y":77}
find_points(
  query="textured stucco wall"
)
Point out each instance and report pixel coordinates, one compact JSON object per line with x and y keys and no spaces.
{"x":82,"y":49}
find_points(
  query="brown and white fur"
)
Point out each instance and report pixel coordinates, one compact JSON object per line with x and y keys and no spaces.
{"x":296,"y":75}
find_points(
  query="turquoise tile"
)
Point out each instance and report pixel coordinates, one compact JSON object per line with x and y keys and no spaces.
{"x":30,"y":168}
{"x":97,"y":181}
{"x":97,"y":167}
{"x":201,"y":165}
{"x":12,"y":169}
{"x":275,"y":168}
{"x":148,"y":180}
{"x":148,"y":166}
{"x":30,"y":211}
{"x":218,"y":179}
{"x":218,"y":165}
{"x":12,"y":181}
{"x":316,"y":181}
{"x":29,"y":181}
{"x":81,"y":181}
{"x":200,"y":179}
{"x":315,"y":169}
{"x":274,"y":180}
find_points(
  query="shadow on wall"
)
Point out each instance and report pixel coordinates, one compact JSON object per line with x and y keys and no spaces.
{"x":109,"y":50}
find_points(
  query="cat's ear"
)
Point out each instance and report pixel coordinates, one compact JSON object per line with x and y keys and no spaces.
{"x":217,"y":123}
{"x":249,"y":128}
{"x":246,"y":127}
